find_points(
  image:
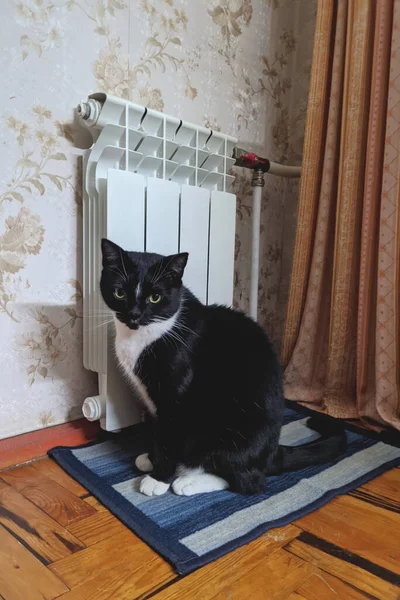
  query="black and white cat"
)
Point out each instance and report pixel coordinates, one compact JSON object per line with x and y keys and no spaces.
{"x":208,"y":377}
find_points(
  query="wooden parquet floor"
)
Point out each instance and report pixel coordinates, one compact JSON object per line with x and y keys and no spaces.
{"x":58,"y":541}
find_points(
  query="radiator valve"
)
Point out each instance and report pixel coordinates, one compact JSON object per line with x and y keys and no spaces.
{"x":89,"y":111}
{"x":249,"y":160}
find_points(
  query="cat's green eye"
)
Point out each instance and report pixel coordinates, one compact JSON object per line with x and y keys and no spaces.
{"x":119,"y":294}
{"x":155,"y":298}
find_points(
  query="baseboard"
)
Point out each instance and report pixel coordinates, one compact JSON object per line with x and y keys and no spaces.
{"x":28,"y":446}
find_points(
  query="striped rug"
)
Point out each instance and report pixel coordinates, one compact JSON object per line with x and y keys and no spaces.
{"x":192,"y":531}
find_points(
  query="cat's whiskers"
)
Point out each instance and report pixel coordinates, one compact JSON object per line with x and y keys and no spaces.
{"x":123,"y":265}
{"x":172,"y":334}
{"x":166,"y":266}
{"x":186,"y":328}
{"x":100,"y":325}
{"x":178,"y":338}
{"x":178,"y":325}
{"x":157,"y":272}
{"x":163,"y":271}
{"x":163,"y":274}
{"x":166,"y":339}
{"x":118,"y":272}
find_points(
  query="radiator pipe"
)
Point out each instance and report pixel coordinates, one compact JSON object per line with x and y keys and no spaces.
{"x":250,"y":160}
{"x":259,"y":166}
{"x":258,"y":184}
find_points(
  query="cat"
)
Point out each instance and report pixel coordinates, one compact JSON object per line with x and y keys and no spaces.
{"x":208,"y":378}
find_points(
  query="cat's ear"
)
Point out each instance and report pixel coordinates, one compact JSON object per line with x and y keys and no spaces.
{"x":177,"y":263}
{"x":111,"y":252}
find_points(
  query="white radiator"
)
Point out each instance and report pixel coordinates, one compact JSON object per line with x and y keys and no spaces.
{"x":151,"y":183}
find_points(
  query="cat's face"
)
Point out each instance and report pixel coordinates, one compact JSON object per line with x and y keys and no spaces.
{"x":141,"y":288}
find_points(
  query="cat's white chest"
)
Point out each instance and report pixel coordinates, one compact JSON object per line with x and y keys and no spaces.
{"x":130,"y":344}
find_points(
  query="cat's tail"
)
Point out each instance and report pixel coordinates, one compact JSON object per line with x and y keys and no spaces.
{"x":329,"y":446}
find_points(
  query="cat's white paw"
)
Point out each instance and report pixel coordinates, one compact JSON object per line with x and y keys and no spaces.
{"x":195,"y":483}
{"x":151,"y":487}
{"x":143,"y":463}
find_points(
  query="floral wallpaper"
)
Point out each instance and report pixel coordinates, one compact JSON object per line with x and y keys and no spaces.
{"x":239,"y":66}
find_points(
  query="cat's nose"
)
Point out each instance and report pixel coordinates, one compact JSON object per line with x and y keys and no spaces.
{"x":134,"y":313}
{"x":134,"y":316}
{"x":133,"y":323}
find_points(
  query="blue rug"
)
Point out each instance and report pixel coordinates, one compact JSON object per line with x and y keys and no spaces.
{"x":192,"y":531}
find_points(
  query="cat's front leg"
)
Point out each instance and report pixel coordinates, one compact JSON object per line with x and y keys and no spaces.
{"x":149,"y":486}
{"x":162,"y":474}
{"x":158,"y":483}
{"x":144,"y":463}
